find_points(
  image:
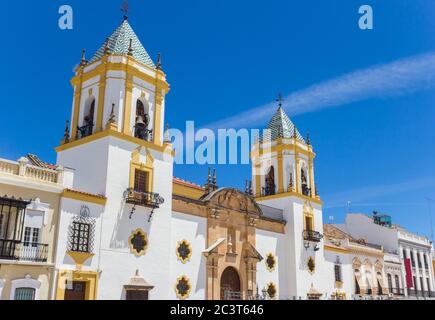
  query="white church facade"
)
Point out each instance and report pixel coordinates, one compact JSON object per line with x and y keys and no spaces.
{"x":117,"y":225}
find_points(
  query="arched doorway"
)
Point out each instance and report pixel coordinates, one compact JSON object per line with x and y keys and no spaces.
{"x":230,"y":282}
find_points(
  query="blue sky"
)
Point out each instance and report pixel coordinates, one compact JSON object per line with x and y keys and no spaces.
{"x":369,"y":94}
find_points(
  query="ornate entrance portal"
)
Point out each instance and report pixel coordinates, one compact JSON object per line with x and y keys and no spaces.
{"x":230,"y":283}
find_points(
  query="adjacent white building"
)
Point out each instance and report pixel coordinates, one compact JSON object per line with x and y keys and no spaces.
{"x":409,"y":255}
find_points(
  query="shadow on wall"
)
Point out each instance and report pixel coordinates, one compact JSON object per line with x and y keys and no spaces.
{"x":124,"y":226}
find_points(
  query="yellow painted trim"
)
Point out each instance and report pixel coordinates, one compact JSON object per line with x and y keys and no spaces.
{"x":179,"y":243}
{"x":335,"y":249}
{"x":90,"y":277}
{"x":271,"y":284}
{"x":280,"y":173}
{"x":308,"y":213}
{"x":129,"y":68}
{"x":270,"y":254}
{"x":289,"y":194}
{"x":147,"y":166}
{"x":280,"y":148}
{"x":75,"y":195}
{"x":127,"y":105}
{"x":167,"y":149}
{"x":132,"y":250}
{"x":185,"y":296}
{"x":101,"y":96}
{"x":79,"y":257}
{"x":77,"y":100}
{"x":186,"y":191}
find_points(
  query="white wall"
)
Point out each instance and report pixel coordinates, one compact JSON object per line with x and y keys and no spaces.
{"x":194,"y":230}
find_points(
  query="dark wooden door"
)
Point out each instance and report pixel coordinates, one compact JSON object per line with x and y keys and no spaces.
{"x":230,"y":282}
{"x":76,"y":291}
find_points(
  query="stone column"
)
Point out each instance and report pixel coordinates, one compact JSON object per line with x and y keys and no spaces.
{"x":403,"y":272}
{"x":417,"y":271}
{"x":421,"y":254}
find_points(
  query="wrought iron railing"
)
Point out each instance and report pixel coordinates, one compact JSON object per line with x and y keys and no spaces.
{"x":145,"y":199}
{"x":398,"y":291}
{"x":420,"y":293}
{"x":18,"y":250}
{"x":85,"y":130}
{"x":143,"y":133}
{"x":268,"y":190}
{"x":306,"y":191}
{"x":313,"y":236}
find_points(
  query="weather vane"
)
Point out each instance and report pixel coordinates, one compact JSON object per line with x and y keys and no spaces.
{"x":280,"y":99}
{"x":125,"y":8}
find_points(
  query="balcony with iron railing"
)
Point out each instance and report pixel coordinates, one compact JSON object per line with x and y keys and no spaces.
{"x":144,"y":199}
{"x":23,"y":251}
{"x":420,"y":293}
{"x":397,"y":291}
{"x":311,"y":235}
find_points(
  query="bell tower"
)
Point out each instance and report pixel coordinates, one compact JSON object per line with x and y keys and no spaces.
{"x":283,"y":161}
{"x":283,"y":176}
{"x":119,"y":92}
{"x":121,"y":86}
{"x":116,"y":150}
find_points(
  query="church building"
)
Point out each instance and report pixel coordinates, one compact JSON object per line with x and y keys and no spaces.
{"x":118,"y":225}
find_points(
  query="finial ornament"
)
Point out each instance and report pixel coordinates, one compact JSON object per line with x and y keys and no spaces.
{"x":280,"y":100}
{"x":295,"y":135}
{"x":208,"y":183}
{"x":130,"y":48}
{"x":125,"y":9}
{"x":112,"y":114}
{"x":106,"y":47}
{"x":167,"y":140}
{"x":291,"y":185}
{"x":66,"y":133}
{"x":159,"y":61}
{"x":214,"y":179}
{"x":83,"y":61}
{"x":308,"y":138}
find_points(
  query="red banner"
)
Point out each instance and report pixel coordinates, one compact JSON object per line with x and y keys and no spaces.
{"x":408,"y":269}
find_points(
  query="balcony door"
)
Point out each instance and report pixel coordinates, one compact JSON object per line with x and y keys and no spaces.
{"x":140,"y":181}
{"x":30,"y":246}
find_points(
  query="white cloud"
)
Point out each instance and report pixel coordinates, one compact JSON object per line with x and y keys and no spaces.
{"x":386,"y":80}
{"x":363,"y":194}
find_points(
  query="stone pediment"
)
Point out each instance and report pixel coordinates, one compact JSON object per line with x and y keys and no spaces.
{"x":233,"y":199}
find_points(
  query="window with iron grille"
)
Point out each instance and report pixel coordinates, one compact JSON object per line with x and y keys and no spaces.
{"x":140,"y":181}
{"x":81,"y":232}
{"x":80,"y":237}
{"x":24,"y":294}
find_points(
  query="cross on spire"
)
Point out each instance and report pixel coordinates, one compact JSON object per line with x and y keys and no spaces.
{"x":280,"y":100}
{"x":125,"y":9}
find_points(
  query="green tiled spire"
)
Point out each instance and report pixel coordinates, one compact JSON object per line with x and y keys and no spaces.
{"x":119,"y":43}
{"x":281,"y":127}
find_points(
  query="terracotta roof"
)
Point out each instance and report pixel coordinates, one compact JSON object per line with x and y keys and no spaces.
{"x":86,"y":193}
{"x":187,"y":183}
{"x":34,"y":160}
